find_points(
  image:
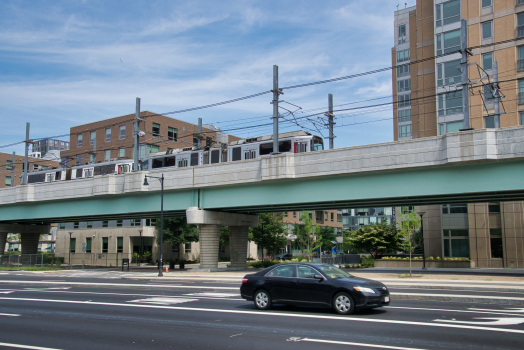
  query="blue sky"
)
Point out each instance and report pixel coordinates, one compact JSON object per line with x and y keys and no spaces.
{"x":71,"y":62}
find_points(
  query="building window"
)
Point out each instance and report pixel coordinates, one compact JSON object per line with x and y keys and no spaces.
{"x":450,"y":103}
{"x":72,"y":245}
{"x":407,"y":209}
{"x":404,"y":115}
{"x":76,"y":225}
{"x":78,"y":159}
{"x":90,"y":224}
{"x":285,"y":214}
{"x":121,"y":152}
{"x":105,"y":223}
{"x":521,"y":118}
{"x":88,"y":245}
{"x":401,"y":33}
{"x":456,"y":243}
{"x":451,"y":127}
{"x":325,"y":216}
{"x":8,"y":181}
{"x":119,"y":223}
{"x":402,"y":55}
{"x":150,"y":222}
{"x":403,"y":71}
{"x":404,"y":85}
{"x":404,"y":130}
{"x":497,"y":251}
{"x":521,"y":91}
{"x":174,"y":248}
{"x":107,"y":154}
{"x":92,"y":138}
{"x":489,"y":122}
{"x":295,"y":214}
{"x":494,"y":207}
{"x":520,"y":24}
{"x":448,"y":12}
{"x":455,"y":209}
{"x":403,"y":100}
{"x":448,"y":42}
{"x":156,"y":130}
{"x":172,"y":134}
{"x":187,"y":247}
{"x":487,"y":60}
{"x":105,"y":244}
{"x":120,"y":244}
{"x":195,"y":141}
{"x":62,"y":226}
{"x":318,"y":216}
{"x":136,"y":222}
{"x":108,"y":135}
{"x":448,"y":73}
{"x":122,"y":134}
{"x":486,"y":3}
{"x":8,"y":165}
{"x":339,"y":218}
{"x":487,"y":30}
{"x":79,"y":140}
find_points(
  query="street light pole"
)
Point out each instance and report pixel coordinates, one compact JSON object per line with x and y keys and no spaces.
{"x":70,"y":264}
{"x":140,"y":249}
{"x":161,"y":179}
{"x":422,"y":232}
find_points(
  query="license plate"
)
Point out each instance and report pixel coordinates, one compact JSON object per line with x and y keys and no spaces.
{"x":386,"y":299}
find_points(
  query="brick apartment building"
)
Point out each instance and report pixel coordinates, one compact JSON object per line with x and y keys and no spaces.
{"x":428,"y":101}
{"x":6,"y":167}
{"x":113,"y":138}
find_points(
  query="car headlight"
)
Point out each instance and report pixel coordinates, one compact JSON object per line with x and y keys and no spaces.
{"x":365,"y":290}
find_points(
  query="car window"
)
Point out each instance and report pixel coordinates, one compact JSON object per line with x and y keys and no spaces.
{"x":333,"y":272}
{"x":281,"y":271}
{"x":306,"y":272}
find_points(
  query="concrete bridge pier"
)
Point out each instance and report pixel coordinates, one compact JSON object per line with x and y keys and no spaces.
{"x":29,"y":236}
{"x":209,"y":223}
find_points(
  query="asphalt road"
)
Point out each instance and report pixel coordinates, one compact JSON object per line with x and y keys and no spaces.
{"x":123,"y":318}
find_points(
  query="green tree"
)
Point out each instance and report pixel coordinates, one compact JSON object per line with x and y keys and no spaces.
{"x":307,"y":238}
{"x":325,"y":237}
{"x":408,"y":224}
{"x":224,"y":236}
{"x":272,"y":234}
{"x":177,"y":231}
{"x":376,"y":239}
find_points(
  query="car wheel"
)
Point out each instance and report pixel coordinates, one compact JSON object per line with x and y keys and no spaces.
{"x":343,"y":304}
{"x":262,"y":300}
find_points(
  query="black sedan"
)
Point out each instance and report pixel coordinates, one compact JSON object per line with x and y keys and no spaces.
{"x":312,"y":284}
{"x":285,"y":256}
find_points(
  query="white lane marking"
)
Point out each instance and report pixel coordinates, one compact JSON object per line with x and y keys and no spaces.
{"x":351,"y":343}
{"x":162,"y":301}
{"x":94,"y":284}
{"x":235,"y":335}
{"x":269,"y":313}
{"x":4,"y":273}
{"x":10,"y":315}
{"x":216,"y":295}
{"x":496,"y":312}
{"x":26,"y":346}
{"x":458,"y":296}
{"x":511,"y":309}
{"x":492,"y":321}
{"x":7,"y":292}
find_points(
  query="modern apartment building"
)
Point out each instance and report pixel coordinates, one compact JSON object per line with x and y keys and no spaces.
{"x":8,"y":168}
{"x":353,"y":219}
{"x":43,"y":146}
{"x":428,"y":101}
{"x":114,"y":138}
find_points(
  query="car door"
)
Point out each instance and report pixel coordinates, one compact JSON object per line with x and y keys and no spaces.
{"x":281,"y":283}
{"x":311,"y":290}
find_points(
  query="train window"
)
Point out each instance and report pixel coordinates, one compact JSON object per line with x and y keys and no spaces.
{"x":182,"y":163}
{"x":158,"y":163}
{"x":194,"y":158}
{"x":79,"y":173}
{"x":58,"y":175}
{"x":318,"y":144}
{"x":237,"y":154}
{"x":284,"y":146}
{"x":266,"y":148}
{"x":170,"y":161}
{"x":110,"y":169}
{"x":96,"y":171}
{"x":215,"y":156}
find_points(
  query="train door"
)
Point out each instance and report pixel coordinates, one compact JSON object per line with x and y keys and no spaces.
{"x":123,"y":168}
{"x":183,"y":160}
{"x":250,"y":151}
{"x":88,"y":172}
{"x":49,"y":177}
{"x":300,"y":146}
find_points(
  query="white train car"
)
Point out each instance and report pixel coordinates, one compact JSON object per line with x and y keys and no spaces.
{"x":291,"y":142}
{"x":48,"y":175}
{"x":176,"y":158}
{"x":114,"y":167}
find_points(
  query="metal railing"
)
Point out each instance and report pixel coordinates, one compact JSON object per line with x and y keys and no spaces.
{"x":62,"y":260}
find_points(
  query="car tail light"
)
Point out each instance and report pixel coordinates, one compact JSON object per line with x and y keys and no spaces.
{"x":244,"y":280}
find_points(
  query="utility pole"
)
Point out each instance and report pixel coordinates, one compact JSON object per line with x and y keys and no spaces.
{"x":13,"y":171}
{"x":496,"y":93}
{"x":199,"y":138}
{"x":136,"y":133}
{"x":331,"y":123}
{"x":276,"y":93}
{"x":464,"y":67}
{"x":26,"y":152}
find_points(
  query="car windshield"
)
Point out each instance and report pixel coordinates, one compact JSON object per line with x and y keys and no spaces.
{"x":333,"y":272}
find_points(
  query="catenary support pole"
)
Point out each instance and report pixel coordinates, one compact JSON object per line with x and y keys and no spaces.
{"x":136,"y":131}
{"x":13,"y":171}
{"x":464,"y":68}
{"x":199,"y":142}
{"x":275,"y":109}
{"x":26,"y":152}
{"x":496,"y":93}
{"x":161,"y":266}
{"x":331,"y":122}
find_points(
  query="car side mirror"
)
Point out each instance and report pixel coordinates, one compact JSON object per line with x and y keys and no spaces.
{"x":319,"y":277}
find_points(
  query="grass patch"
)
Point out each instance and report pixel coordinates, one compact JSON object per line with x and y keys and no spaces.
{"x":34,"y":268}
{"x":406,"y":275}
{"x":488,"y":279}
